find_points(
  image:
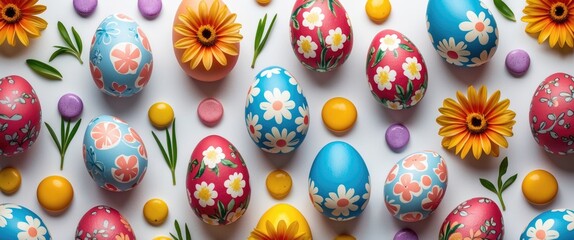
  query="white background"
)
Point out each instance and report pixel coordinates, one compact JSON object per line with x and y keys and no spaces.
{"x":170,"y":84}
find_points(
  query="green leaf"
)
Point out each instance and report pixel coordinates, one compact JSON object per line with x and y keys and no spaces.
{"x":228,"y":163}
{"x":178,"y":230}
{"x":72,"y":134}
{"x":201,"y":170}
{"x":221,"y":209}
{"x":44,"y":69}
{"x":405,"y":47}
{"x":58,"y":53}
{"x":259,"y":32}
{"x":395,"y":53}
{"x":78,"y":40}
{"x":174,"y":142}
{"x":295,"y":23}
{"x":331,"y":8}
{"x":379,"y":57}
{"x":259,"y":42}
{"x":370,"y":55}
{"x":400,"y":91}
{"x":216,"y":170}
{"x":54,"y":137}
{"x":187,"y":233}
{"x":169,"y":147}
{"x":504,"y":10}
{"x":488,"y":185}
{"x":161,"y":148}
{"x":65,"y":35}
{"x":508,"y":182}
{"x":231,"y":205}
{"x":503,"y":167}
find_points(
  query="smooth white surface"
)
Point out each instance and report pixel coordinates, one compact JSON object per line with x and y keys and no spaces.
{"x":170,"y":84}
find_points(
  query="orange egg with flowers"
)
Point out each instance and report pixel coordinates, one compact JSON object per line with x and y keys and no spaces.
{"x":206,"y":39}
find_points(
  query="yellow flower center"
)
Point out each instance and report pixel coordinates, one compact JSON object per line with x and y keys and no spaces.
{"x":236,"y":184}
{"x":476,"y":123}
{"x":337,"y":39}
{"x":312,"y":18}
{"x":11,"y":13}
{"x":306,"y":46}
{"x":389,"y":41}
{"x":383,"y":77}
{"x":412,"y":68}
{"x":559,"y":12}
{"x":204,"y":194}
{"x":206,"y":35}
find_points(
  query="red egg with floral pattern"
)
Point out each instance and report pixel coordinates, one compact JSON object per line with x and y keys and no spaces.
{"x":321,"y":34}
{"x":218,"y":187}
{"x":552,"y":112}
{"x":20,"y":115}
{"x":476,"y":218}
{"x":396,"y":71}
{"x":103,"y":222}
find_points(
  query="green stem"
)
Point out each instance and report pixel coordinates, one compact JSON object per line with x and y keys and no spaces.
{"x":501,"y":201}
{"x":173,"y":175}
{"x":62,"y":155}
{"x":254,"y":58}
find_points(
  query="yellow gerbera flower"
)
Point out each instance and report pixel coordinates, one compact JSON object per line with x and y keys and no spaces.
{"x":17,"y":20}
{"x":208,"y":33}
{"x":553,"y":19}
{"x":281,"y":231}
{"x":476,"y":123}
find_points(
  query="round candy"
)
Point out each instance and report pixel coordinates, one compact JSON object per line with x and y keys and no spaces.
{"x":397,"y":136}
{"x":55,"y":193}
{"x":345,"y":237}
{"x":10,"y":180}
{"x":70,"y":106}
{"x":378,"y":10}
{"x":278,"y":184}
{"x":406,"y":234}
{"x":539,"y":187}
{"x":160,"y":115}
{"x":85,"y":7}
{"x":155,"y":211}
{"x":150,"y":9}
{"x":263,"y":2}
{"x":517,"y":62}
{"x":339,"y":114}
{"x":210,"y":111}
{"x":161,"y":238}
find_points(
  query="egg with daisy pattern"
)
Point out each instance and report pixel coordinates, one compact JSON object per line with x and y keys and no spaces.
{"x":218,"y":188}
{"x":464,"y":33}
{"x":551,"y":224}
{"x":18,"y":222}
{"x":276,"y":111}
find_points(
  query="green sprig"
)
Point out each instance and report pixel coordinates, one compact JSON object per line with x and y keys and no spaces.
{"x":501,"y":185}
{"x":504,"y":10}
{"x":178,"y":232}
{"x":260,"y":43}
{"x":70,"y":49}
{"x":169,"y":153}
{"x":44,"y":69}
{"x":66,"y":136}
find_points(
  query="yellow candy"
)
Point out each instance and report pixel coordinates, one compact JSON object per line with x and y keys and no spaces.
{"x":339,"y":114}
{"x":162,"y":238}
{"x":378,"y":10}
{"x":263,"y":2}
{"x":278,"y":184}
{"x":55,"y":194}
{"x":345,"y":237}
{"x":160,"y":115}
{"x":10,"y":180}
{"x":539,"y":187}
{"x":280,"y":220}
{"x":155,"y":211}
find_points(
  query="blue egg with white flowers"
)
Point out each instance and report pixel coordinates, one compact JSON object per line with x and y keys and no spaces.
{"x":19,"y":222}
{"x":553,"y":224}
{"x":276,"y":111}
{"x":464,"y":33}
{"x":339,"y":182}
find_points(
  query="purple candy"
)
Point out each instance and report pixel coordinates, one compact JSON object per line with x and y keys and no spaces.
{"x":517,"y":62}
{"x":150,"y":9}
{"x":85,"y":7}
{"x":397,"y":136}
{"x":406,"y":234}
{"x":70,"y":106}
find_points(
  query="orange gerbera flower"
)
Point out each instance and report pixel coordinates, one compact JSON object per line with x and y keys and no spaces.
{"x":281,"y":232}
{"x":475,"y":123}
{"x":17,"y":20}
{"x":208,"y":33}
{"x":553,"y":19}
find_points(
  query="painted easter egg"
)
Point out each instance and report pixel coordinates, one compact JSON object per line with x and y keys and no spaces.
{"x":121,"y":60}
{"x":20,"y":115}
{"x":276,"y":111}
{"x":103,"y":222}
{"x":476,"y":218}
{"x":551,"y":114}
{"x":415,"y":186}
{"x":218,"y":187}
{"x":217,"y":33}
{"x":463,"y":33}
{"x":339,"y":182}
{"x":18,"y":222}
{"x":396,"y":71}
{"x":114,"y":154}
{"x":321,"y":34}
{"x":281,"y":220}
{"x":551,"y":224}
